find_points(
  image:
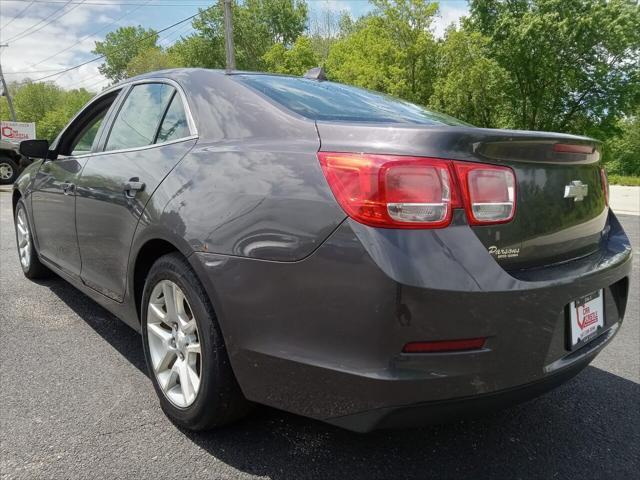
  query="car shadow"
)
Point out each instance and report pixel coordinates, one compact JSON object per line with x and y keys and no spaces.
{"x":587,"y":428}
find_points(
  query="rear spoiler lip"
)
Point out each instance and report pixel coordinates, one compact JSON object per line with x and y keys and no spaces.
{"x":470,"y":130}
{"x":455,"y":143}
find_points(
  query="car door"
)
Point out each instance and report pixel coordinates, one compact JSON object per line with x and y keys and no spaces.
{"x":149,"y":135}
{"x":53,"y":195}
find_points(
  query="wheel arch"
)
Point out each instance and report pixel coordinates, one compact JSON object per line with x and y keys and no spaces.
{"x":15,"y":198}
{"x":150,"y":251}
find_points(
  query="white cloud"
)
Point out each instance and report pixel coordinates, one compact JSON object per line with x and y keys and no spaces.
{"x":450,"y":12}
{"x":26,"y":54}
{"x":335,"y":6}
{"x":78,"y":22}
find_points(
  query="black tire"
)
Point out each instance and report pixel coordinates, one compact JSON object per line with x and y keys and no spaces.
{"x":33,"y":269}
{"x":219,"y":400}
{"x":8,"y":167}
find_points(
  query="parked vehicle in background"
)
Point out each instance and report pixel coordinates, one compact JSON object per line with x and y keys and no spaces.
{"x":327,"y":250}
{"x":11,"y":162}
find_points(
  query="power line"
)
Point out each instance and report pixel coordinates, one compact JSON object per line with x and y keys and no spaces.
{"x":138,"y":41}
{"x":204,"y":3}
{"x":50,"y":18}
{"x":82,"y":80}
{"x":86,"y":36}
{"x":170,"y":40}
{"x":25,"y":72}
{"x":18,"y":15}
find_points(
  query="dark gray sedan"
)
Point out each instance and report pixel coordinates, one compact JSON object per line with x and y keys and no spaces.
{"x":326,"y":250}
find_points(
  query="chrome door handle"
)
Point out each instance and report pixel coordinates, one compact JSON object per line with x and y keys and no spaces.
{"x":132,"y":187}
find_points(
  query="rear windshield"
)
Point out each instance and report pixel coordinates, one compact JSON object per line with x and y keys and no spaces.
{"x":331,"y":101}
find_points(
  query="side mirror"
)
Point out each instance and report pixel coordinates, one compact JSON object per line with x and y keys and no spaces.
{"x":34,"y":148}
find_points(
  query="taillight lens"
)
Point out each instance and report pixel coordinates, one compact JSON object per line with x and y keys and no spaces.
{"x":489,"y":192}
{"x":604,"y":181}
{"x":392,"y":191}
{"x":416,"y":192}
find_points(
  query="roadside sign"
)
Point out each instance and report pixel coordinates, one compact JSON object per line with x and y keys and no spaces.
{"x":15,"y":132}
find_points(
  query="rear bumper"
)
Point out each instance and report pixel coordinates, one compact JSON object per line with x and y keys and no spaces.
{"x":442,"y":411}
{"x":322,"y":337}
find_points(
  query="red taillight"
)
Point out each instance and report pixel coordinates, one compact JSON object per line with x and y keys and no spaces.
{"x":489,"y":192}
{"x":604,"y":181}
{"x":392,"y":191}
{"x":416,"y":192}
{"x":444,"y":345}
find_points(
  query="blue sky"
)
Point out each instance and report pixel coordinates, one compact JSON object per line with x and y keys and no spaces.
{"x":42,"y":48}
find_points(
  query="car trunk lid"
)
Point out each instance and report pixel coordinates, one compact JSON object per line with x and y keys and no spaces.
{"x":561,"y":209}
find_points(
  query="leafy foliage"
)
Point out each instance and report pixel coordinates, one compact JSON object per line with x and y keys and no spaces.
{"x":48,"y":105}
{"x":573,"y":64}
{"x":470,"y":84}
{"x":623,"y":150}
{"x":257,"y":26}
{"x":368,"y":58}
{"x":120,"y":47}
{"x":557,"y":65}
{"x":295,"y":60}
{"x":150,"y":60}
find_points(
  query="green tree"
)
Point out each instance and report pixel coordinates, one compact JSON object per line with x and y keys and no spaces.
{"x":33,"y":100}
{"x":391,"y":50}
{"x":46,"y":104}
{"x":409,"y":23}
{"x":470,"y":85}
{"x":574,"y":64}
{"x":325,"y":28}
{"x":623,"y":150}
{"x":293,"y":61}
{"x":53,"y":121}
{"x":198,"y":51}
{"x":120,"y":47}
{"x":257,"y":25}
{"x":151,"y":59}
{"x":368,"y":58}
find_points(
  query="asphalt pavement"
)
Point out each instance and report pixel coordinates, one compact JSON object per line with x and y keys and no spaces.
{"x":75,"y":403}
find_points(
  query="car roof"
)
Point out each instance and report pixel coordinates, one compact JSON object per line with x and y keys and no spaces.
{"x":180,"y":73}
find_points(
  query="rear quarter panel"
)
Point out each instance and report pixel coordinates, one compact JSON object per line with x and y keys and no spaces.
{"x":252,"y":186}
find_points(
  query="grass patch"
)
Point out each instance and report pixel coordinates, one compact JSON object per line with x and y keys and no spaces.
{"x":624,"y":180}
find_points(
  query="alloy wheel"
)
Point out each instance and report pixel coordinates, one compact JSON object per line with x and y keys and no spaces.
{"x":6,"y":171}
{"x":174,"y":344}
{"x":24,"y":238}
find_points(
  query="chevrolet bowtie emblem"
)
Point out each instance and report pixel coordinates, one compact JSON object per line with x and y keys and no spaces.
{"x":576,"y":190}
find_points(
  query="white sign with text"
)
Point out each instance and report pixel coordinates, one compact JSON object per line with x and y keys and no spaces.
{"x":15,"y":132}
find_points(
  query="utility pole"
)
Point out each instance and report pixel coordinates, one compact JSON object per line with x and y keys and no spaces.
{"x":228,"y":36}
{"x":5,"y":91}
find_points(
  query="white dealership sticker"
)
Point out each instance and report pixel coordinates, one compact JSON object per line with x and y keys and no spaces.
{"x":587,"y":315}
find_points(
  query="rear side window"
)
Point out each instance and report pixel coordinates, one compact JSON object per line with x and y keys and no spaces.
{"x":174,"y":125}
{"x":331,"y":101}
{"x":139,"y":117}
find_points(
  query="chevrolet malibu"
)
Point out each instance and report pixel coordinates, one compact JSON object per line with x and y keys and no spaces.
{"x":326,"y":250}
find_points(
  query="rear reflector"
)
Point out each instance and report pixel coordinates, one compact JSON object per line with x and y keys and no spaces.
{"x":444,"y":346}
{"x":392,"y":191}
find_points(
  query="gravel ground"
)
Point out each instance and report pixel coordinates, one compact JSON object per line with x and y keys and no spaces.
{"x":76,"y":403}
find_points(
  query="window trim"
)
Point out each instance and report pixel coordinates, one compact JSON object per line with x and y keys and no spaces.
{"x":90,"y":105}
{"x":185,"y":105}
{"x":164,"y":116}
